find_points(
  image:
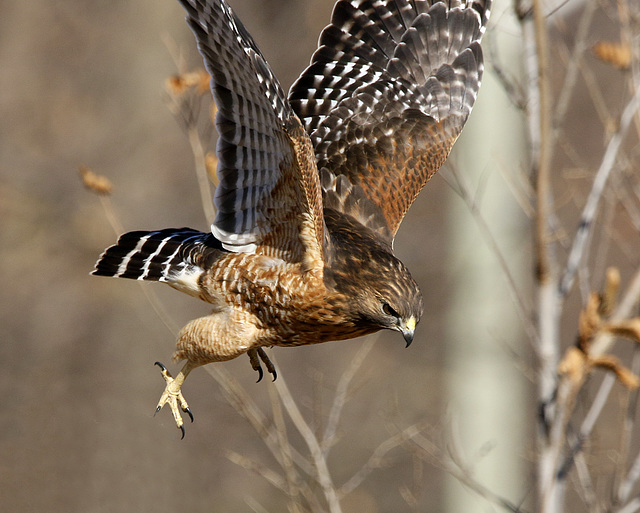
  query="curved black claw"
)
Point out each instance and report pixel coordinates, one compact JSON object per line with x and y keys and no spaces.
{"x":270,"y":366}
{"x":188,"y":412}
{"x":255,"y":363}
{"x":161,"y":365}
{"x":182,"y":429}
{"x":255,"y":355}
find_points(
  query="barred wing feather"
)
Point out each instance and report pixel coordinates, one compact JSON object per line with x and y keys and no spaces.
{"x":386,"y":95}
{"x":267,"y":183}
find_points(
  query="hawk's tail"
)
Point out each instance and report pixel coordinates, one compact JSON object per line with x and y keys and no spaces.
{"x":177,"y":256}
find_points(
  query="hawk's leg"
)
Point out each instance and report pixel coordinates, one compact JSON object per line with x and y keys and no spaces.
{"x":255,"y":355}
{"x":172,"y":394}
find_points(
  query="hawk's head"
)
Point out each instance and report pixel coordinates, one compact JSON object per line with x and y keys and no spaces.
{"x":376,"y":289}
{"x":389,"y":296}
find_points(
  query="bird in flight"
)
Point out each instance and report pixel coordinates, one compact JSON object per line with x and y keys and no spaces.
{"x":313,"y":185}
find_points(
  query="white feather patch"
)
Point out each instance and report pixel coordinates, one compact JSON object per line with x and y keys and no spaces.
{"x":186,"y":279}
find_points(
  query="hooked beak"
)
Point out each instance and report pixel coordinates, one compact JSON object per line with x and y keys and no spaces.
{"x":408,"y":329}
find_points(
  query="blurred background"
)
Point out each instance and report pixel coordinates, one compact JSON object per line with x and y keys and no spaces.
{"x":82,"y":83}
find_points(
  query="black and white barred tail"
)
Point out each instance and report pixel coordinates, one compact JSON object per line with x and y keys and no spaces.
{"x":177,"y":256}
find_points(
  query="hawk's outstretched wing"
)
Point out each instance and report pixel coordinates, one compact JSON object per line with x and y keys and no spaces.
{"x":268,"y":198}
{"x":385,"y":97}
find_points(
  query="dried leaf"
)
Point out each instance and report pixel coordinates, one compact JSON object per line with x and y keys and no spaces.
{"x":616,"y":54}
{"x":629,"y":329}
{"x":94,"y":182}
{"x":611,"y":363}
{"x":610,"y":293}
{"x":589,"y":321}
{"x":574,"y":365}
{"x":203,"y":81}
{"x":176,"y":85}
{"x":179,"y":84}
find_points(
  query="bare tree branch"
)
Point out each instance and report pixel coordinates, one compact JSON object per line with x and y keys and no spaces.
{"x":579,"y":247}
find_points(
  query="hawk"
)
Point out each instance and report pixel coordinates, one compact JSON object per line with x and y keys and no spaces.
{"x":313,"y":185}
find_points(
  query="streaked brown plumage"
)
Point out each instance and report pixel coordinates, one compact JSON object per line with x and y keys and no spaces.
{"x":313,"y":186}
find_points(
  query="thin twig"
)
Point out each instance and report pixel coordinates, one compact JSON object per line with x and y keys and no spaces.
{"x":632,"y":506}
{"x":244,"y":405}
{"x":255,"y":506}
{"x":633,"y":475}
{"x":598,"y":99}
{"x":377,"y":458}
{"x":342,"y":392}
{"x":285,"y":449}
{"x":584,"y":477}
{"x":518,"y":183}
{"x":543,"y":164}
{"x":509,"y":84}
{"x":626,"y":487}
{"x":150,"y":294}
{"x":263,"y":471}
{"x":574,"y":63}
{"x":322,"y":471}
{"x":588,"y":423}
{"x":204,"y":184}
{"x":451,"y":463}
{"x":110,"y":214}
{"x":524,"y":310}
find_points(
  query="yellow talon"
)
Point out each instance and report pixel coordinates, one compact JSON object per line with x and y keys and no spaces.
{"x":172,"y":394}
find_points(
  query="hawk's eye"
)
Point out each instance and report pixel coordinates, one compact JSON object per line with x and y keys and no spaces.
{"x":386,"y":308}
